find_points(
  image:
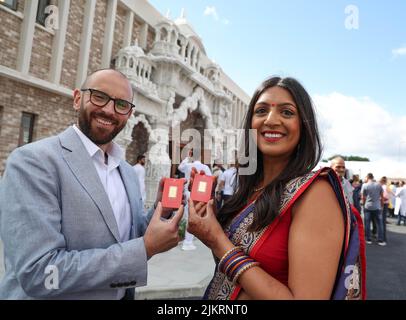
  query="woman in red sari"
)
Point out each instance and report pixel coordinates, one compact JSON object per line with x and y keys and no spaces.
{"x":284,"y":232}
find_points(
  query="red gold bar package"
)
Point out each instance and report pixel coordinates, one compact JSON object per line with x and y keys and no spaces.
{"x":172,"y":193}
{"x":202,"y":188}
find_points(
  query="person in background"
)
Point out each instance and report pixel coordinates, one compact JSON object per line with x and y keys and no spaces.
{"x":218,"y":169}
{"x":401,"y":199}
{"x":228,"y":182}
{"x":387,"y":194}
{"x":372,"y":199}
{"x":392,"y":200}
{"x":139,"y":169}
{"x":186,"y":166}
{"x":356,"y":194}
{"x":338,"y":165}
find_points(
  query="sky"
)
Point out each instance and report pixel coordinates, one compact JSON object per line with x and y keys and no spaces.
{"x":349,"y":55}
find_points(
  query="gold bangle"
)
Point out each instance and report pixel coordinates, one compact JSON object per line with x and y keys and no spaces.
{"x":232,"y":250}
{"x":243,"y":269}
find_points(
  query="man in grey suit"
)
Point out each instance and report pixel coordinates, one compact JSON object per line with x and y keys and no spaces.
{"x":71,"y":213}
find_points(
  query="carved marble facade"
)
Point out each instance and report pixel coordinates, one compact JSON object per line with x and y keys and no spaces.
{"x":170,"y":82}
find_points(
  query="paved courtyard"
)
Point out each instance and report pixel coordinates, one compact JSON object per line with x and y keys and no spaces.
{"x":386,"y":276}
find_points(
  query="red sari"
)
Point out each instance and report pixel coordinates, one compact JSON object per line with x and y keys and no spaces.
{"x":269,"y":246}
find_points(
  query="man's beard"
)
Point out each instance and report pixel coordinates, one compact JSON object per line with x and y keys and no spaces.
{"x":96,"y":137}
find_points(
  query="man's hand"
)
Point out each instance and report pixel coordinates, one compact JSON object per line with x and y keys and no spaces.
{"x":161,"y":234}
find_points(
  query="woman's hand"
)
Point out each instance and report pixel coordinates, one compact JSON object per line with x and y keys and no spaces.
{"x":192,"y":178}
{"x":203,"y":224}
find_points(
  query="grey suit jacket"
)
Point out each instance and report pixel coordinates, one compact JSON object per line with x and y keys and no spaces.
{"x":58,"y":227}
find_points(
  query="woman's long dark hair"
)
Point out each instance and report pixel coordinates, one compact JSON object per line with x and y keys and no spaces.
{"x":303,"y":159}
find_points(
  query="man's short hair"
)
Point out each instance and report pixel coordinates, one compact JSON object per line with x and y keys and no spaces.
{"x":370,"y":176}
{"x":336,"y":158}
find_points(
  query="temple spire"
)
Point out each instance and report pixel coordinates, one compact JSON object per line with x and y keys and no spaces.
{"x":183,"y":14}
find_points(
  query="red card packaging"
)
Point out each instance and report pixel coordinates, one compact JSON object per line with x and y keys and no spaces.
{"x":202,"y":188}
{"x":172,"y":194}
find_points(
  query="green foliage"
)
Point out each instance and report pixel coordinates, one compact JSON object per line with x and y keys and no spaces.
{"x":182,"y":228}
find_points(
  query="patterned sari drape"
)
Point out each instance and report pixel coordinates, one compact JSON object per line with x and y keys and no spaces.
{"x":350,"y":281}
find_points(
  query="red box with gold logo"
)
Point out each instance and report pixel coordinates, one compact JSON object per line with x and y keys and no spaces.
{"x":202,"y":188}
{"x":172,"y":193}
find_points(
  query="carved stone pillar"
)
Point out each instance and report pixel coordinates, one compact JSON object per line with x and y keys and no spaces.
{"x":158,"y":162}
{"x":124,"y":138}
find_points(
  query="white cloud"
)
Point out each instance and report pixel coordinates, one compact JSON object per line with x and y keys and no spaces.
{"x":212,"y":11}
{"x":360,"y":127}
{"x":399,"y":51}
{"x":226,"y":21}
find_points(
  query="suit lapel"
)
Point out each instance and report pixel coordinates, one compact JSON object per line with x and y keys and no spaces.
{"x":131,"y":191}
{"x":81,"y":164}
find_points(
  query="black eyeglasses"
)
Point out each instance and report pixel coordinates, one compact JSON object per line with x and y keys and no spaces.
{"x":101,"y":99}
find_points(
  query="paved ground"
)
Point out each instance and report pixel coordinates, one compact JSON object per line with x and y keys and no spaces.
{"x":178,"y":274}
{"x":175,"y":274}
{"x":386,"y":266}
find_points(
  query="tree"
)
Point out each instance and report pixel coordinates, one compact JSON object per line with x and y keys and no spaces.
{"x":350,"y":158}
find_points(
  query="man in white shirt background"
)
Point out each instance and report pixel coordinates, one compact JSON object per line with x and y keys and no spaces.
{"x":338,"y":165}
{"x":401,"y":203}
{"x":217,"y":172}
{"x":140,"y":171}
{"x":227,"y":182}
{"x":191,"y":161}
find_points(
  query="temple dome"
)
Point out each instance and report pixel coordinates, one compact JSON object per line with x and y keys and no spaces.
{"x":134,"y":50}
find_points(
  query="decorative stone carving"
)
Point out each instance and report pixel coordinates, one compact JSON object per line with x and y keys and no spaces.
{"x":158,"y":161}
{"x":176,"y":65}
{"x":166,"y":37}
{"x":170,"y":103}
{"x":190,"y":104}
{"x":138,"y":67}
{"x":124,"y":138}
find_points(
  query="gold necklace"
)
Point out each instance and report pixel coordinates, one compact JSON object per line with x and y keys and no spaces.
{"x":259,"y":189}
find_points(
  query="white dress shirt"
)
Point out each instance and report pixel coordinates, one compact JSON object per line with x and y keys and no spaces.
{"x":187,"y":164}
{"x":113,"y":185}
{"x":401,"y":201}
{"x":229,"y":177}
{"x":111,"y":181}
